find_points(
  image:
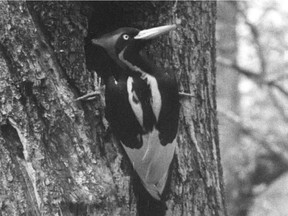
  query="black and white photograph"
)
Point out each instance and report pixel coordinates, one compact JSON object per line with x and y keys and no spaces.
{"x":144,"y":108}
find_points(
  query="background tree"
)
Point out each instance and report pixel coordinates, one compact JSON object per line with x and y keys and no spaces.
{"x":228,"y":100}
{"x":262,"y":118}
{"x":56,"y":154}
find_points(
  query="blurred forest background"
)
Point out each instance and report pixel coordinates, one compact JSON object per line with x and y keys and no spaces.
{"x":252,"y":70}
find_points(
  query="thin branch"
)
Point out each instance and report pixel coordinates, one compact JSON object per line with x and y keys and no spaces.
{"x":255,"y":135}
{"x":252,"y":75}
{"x":275,"y":85}
{"x":279,"y":77}
{"x":278,"y":106}
{"x":234,"y":65}
{"x":233,"y":117}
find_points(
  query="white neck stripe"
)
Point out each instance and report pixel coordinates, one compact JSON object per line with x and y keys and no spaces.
{"x":131,"y":66}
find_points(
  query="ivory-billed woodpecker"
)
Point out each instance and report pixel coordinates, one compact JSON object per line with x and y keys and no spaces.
{"x":142,"y":105}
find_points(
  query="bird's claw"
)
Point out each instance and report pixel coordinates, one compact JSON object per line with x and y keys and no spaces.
{"x":89,"y":96}
{"x":185,"y":94}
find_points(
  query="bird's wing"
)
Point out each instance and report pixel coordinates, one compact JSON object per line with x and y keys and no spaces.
{"x":121,"y":117}
{"x":168,"y":119}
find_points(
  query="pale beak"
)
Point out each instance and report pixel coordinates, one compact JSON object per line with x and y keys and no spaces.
{"x":151,"y":33}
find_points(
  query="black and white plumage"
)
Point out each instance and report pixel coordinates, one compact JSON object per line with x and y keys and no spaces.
{"x":142,"y":105}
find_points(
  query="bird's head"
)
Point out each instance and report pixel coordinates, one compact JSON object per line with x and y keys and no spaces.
{"x":124,"y":44}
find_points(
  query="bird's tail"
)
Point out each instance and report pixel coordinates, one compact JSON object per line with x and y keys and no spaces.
{"x":146,"y":204}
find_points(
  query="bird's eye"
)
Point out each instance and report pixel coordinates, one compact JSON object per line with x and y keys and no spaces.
{"x":125,"y":37}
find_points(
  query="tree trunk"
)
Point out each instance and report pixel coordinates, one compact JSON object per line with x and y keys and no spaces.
{"x":56,"y":154}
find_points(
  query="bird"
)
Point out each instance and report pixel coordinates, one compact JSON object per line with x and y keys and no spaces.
{"x":142,"y":104}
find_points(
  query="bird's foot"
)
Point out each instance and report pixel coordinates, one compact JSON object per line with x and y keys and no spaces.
{"x":98,"y":89}
{"x":185,"y":94}
{"x":89,"y":96}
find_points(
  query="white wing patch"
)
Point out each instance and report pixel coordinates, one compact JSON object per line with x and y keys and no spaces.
{"x":156,"y":101}
{"x":152,"y":162}
{"x":134,"y":101}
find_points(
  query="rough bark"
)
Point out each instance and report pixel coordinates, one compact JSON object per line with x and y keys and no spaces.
{"x":56,"y":154}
